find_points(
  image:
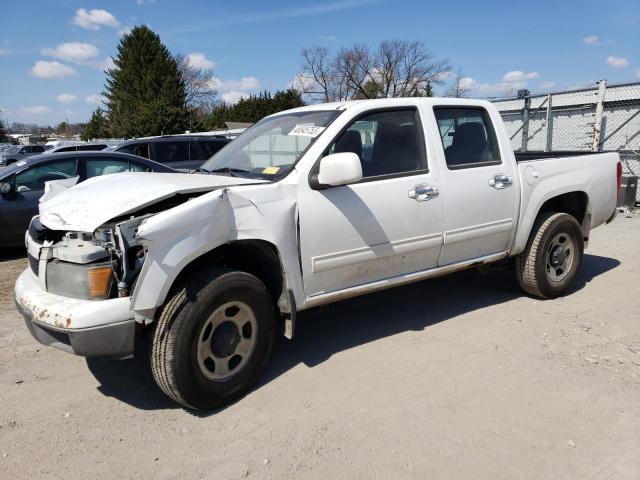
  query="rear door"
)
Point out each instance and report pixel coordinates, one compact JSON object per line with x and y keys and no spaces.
{"x":480,"y":190}
{"x":175,"y":154}
{"x":387,"y":225}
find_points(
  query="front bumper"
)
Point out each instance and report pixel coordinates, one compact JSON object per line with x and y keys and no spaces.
{"x":91,"y":328}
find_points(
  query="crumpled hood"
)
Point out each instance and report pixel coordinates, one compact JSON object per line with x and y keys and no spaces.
{"x":86,"y":206}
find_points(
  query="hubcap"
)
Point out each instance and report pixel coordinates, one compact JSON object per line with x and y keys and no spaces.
{"x":560,"y":256}
{"x":227,"y":340}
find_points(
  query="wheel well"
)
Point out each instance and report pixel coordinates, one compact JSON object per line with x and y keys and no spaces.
{"x":257,"y":257}
{"x":573,"y":203}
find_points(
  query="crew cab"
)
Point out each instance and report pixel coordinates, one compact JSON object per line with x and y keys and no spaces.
{"x":307,"y":207}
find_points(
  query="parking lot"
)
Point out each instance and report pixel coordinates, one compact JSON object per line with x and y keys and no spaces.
{"x":458,"y":377}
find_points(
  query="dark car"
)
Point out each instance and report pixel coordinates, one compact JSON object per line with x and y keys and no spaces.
{"x":80,"y":147}
{"x":19,"y":152}
{"x":22,"y":183}
{"x":184,"y":152}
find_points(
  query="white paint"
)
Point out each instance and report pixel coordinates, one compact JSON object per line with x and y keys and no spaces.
{"x":353,"y":238}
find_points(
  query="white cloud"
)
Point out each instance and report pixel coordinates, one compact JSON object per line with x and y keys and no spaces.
{"x":519,"y":76}
{"x":302,"y":81}
{"x":617,"y":62}
{"x":638,"y":73}
{"x":591,"y":40}
{"x":199,"y":60}
{"x":105,"y":64}
{"x":95,"y":99}
{"x":328,"y":38}
{"x":468,"y":83}
{"x":38,"y":110}
{"x":5,"y":51}
{"x":233,"y":96}
{"x":547,"y":85}
{"x":67,"y":98}
{"x":245,"y":83}
{"x":48,"y":70}
{"x":72,"y":52}
{"x":125,"y":30}
{"x":94,"y":19}
{"x":231,"y":91}
{"x":142,"y":2}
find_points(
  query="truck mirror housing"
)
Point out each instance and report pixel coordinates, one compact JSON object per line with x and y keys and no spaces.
{"x":340,"y":169}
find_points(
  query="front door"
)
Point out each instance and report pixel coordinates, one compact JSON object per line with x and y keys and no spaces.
{"x":388,"y":224}
{"x":28,"y":186}
{"x":480,"y":189}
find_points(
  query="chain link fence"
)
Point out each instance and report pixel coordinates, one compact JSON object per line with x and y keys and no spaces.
{"x":600,"y":118}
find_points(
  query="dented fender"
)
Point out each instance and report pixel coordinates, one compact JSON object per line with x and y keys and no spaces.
{"x":177,"y":237}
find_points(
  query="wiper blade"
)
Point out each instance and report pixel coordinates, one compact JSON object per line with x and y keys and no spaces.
{"x":231,"y":171}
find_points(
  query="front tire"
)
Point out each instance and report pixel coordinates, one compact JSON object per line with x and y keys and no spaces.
{"x":213,"y":338}
{"x":553,"y":256}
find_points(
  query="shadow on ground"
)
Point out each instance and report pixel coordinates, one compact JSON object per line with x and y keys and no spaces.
{"x":324,"y":331}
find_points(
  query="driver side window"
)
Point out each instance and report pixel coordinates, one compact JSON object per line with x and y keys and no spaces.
{"x":35,"y":177}
{"x":387,"y":143}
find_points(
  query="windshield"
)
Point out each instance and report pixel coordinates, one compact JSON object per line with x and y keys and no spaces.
{"x":272,"y":146}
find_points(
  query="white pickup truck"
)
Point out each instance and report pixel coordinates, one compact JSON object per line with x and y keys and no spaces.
{"x":307,"y":207}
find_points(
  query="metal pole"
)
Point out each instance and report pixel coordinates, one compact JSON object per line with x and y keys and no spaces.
{"x":597,"y":126}
{"x":525,"y":123}
{"x":549,"y":122}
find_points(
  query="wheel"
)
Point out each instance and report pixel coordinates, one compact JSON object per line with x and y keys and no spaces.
{"x":553,"y":256}
{"x":213,"y":338}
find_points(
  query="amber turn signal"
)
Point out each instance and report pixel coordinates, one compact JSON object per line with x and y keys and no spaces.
{"x":99,"y":282}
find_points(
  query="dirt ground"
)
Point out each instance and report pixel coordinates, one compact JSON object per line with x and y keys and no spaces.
{"x":453,"y":378}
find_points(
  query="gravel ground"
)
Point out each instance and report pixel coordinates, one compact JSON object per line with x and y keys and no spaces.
{"x":458,"y":377}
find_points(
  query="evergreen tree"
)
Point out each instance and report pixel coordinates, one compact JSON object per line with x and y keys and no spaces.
{"x":145,"y":91}
{"x":3,"y":132}
{"x":254,"y":108}
{"x":98,"y":126}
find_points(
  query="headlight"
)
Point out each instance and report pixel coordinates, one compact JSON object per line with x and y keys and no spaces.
{"x":90,"y":282}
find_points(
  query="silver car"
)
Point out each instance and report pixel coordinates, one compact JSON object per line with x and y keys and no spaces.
{"x":19,"y":152}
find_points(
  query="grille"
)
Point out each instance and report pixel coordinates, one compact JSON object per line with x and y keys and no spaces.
{"x":40,"y":233}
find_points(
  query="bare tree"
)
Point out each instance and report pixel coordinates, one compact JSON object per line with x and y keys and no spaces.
{"x":199,"y":82}
{"x":397,"y":68}
{"x":459,"y":88}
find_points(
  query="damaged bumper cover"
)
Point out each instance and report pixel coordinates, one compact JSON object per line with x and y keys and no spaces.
{"x":103,"y":328}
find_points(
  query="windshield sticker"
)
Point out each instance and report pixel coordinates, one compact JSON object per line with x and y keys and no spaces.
{"x":271,"y":170}
{"x":306,"y":131}
{"x":20,"y":163}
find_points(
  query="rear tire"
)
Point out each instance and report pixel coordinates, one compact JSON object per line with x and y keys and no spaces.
{"x":553,"y":256}
{"x":213,"y":338}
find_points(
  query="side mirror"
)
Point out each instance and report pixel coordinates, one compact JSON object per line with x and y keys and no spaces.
{"x":5,"y":188}
{"x":340,"y":169}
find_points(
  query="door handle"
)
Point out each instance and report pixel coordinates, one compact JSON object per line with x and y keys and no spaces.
{"x":423,"y":192}
{"x":500,"y":181}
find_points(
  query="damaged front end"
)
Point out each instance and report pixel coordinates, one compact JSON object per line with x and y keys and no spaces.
{"x":90,"y":266}
{"x":75,"y":294}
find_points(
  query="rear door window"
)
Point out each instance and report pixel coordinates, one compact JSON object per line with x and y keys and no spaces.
{"x":166,"y":152}
{"x":467,"y":137}
{"x":96,"y":167}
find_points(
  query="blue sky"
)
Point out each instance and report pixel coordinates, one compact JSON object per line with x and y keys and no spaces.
{"x":52,"y":52}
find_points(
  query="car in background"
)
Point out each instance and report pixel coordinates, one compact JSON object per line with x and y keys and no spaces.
{"x":184,"y":152}
{"x":19,"y":152}
{"x":22,"y":183}
{"x":77,"y":147}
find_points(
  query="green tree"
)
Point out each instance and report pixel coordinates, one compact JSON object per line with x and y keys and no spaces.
{"x":254,"y":107}
{"x":97,"y":127}
{"x":144,"y":90}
